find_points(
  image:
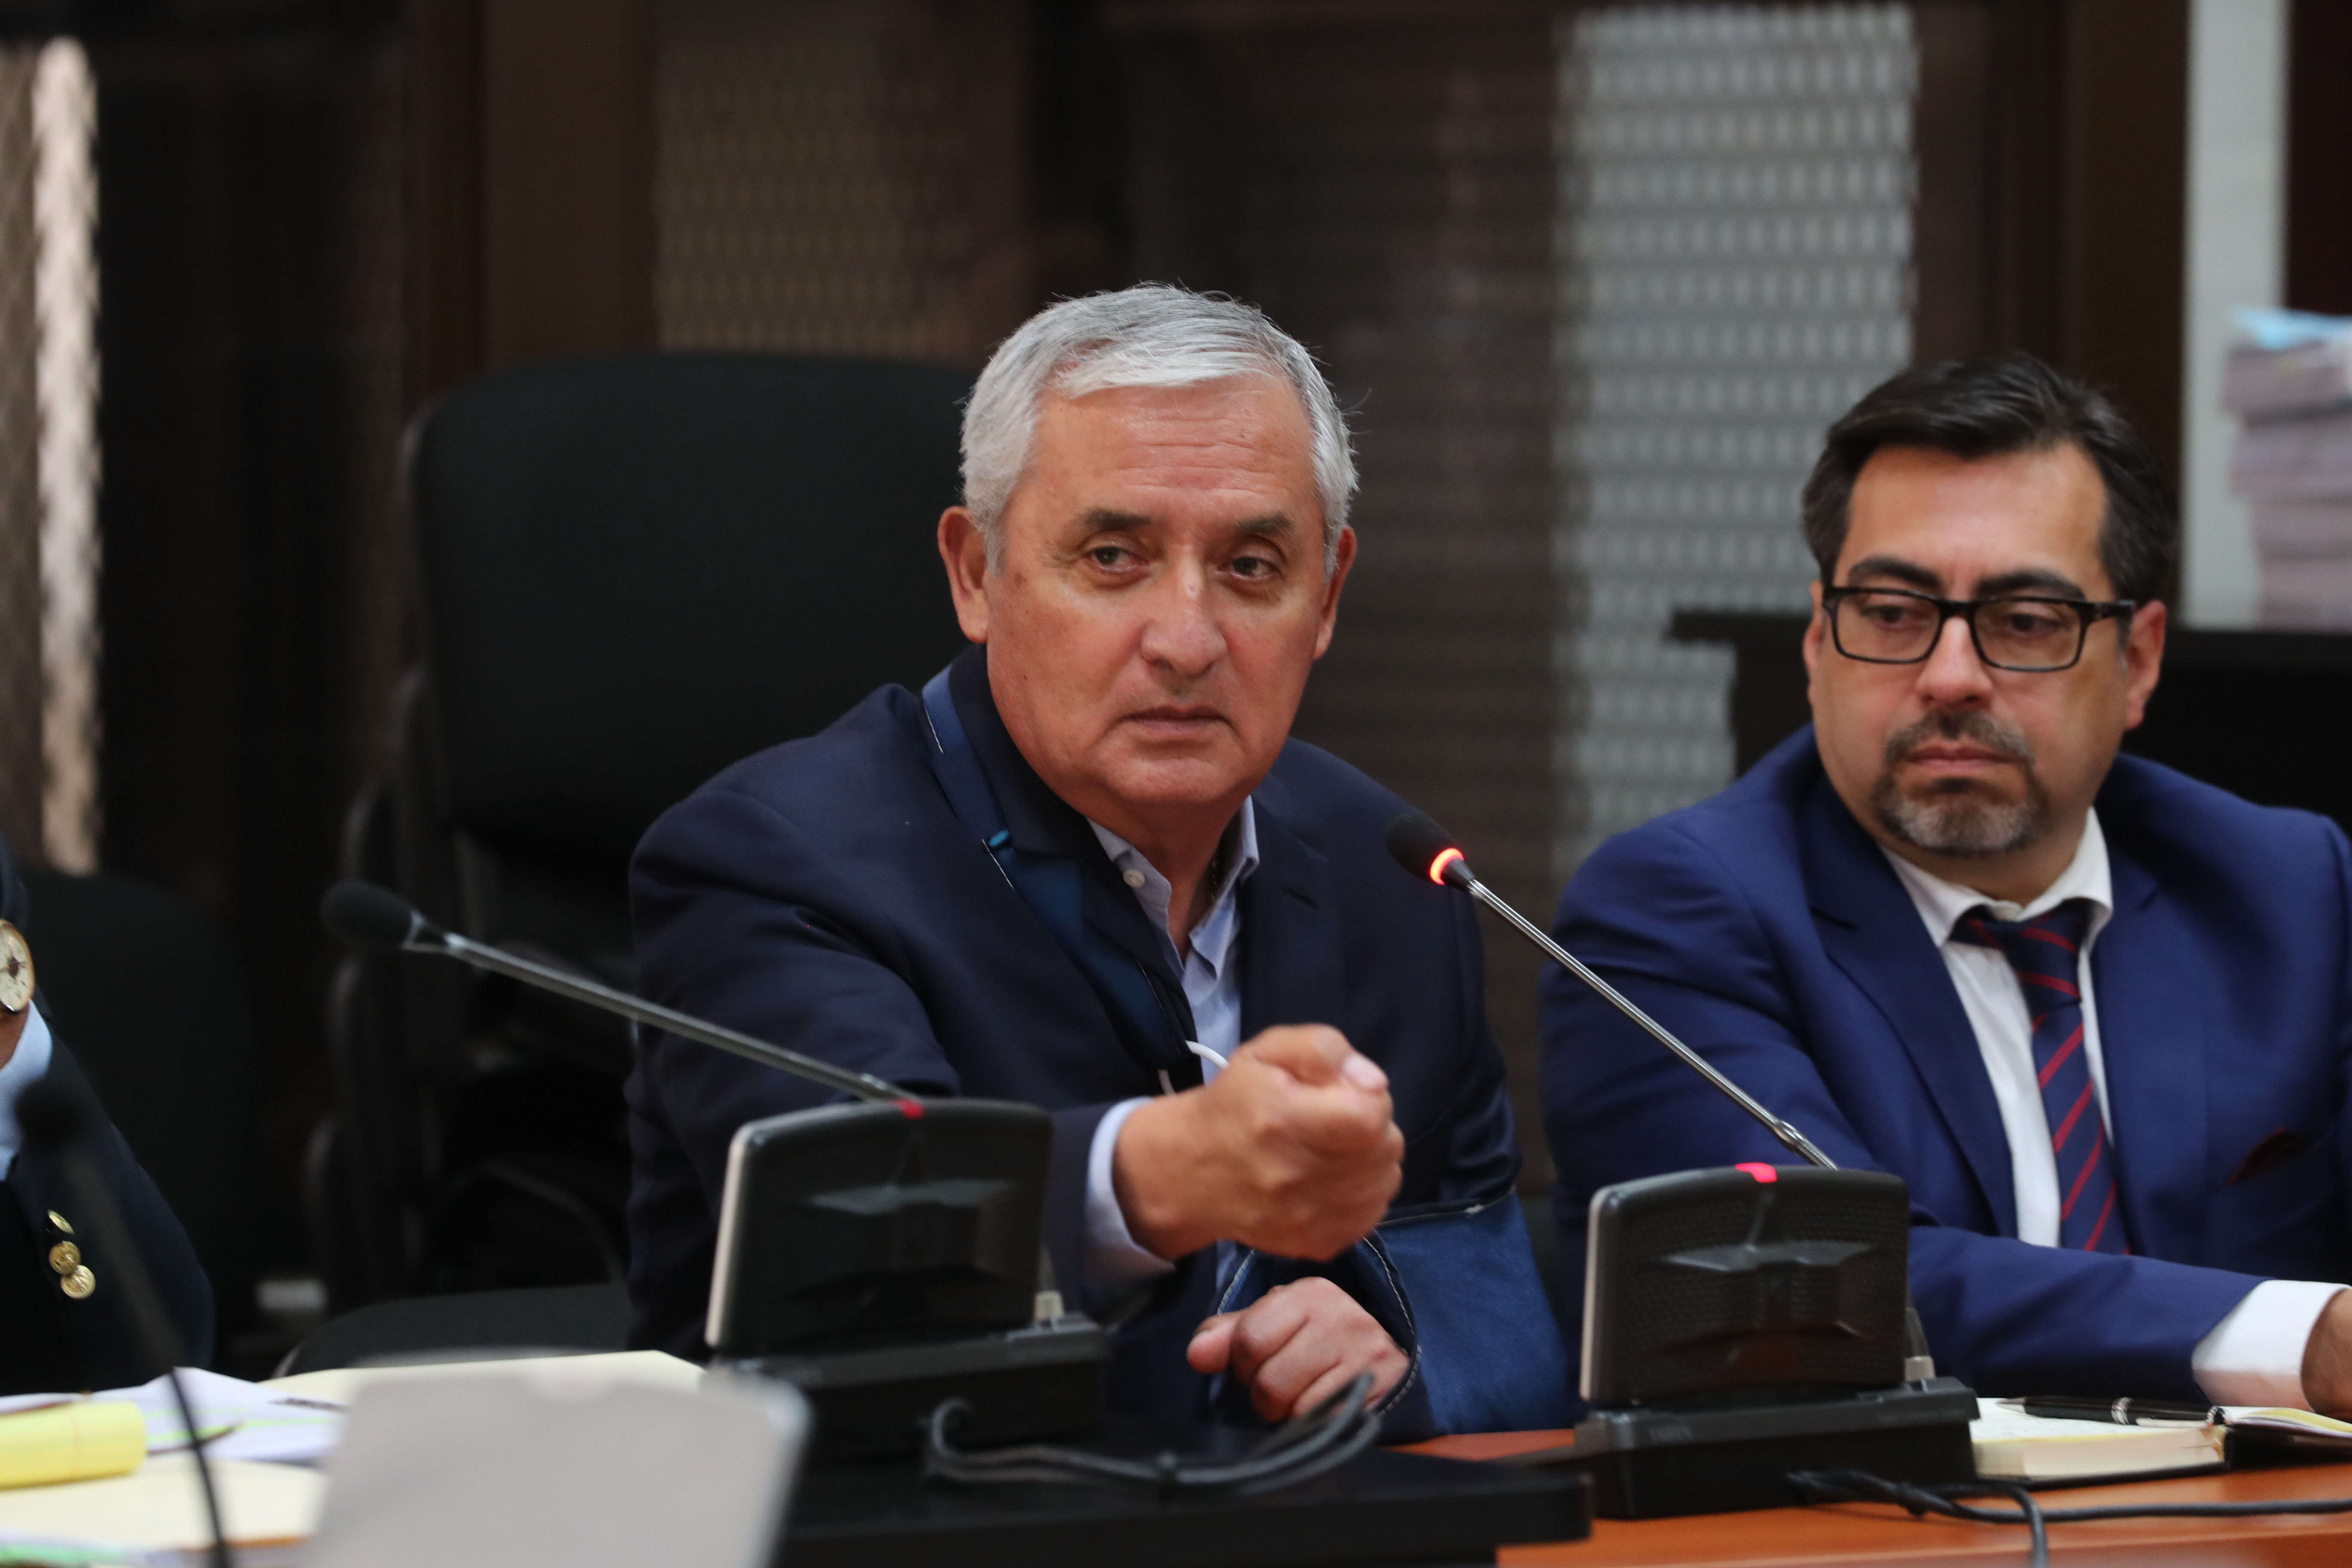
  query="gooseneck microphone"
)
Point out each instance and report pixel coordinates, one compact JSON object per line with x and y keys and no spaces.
{"x":380,"y":921}
{"x":1428,"y":851}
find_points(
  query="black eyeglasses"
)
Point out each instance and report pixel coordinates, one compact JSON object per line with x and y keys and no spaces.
{"x":2023,"y":632}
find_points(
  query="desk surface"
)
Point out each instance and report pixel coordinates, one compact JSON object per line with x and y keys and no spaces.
{"x":1858,"y":1533}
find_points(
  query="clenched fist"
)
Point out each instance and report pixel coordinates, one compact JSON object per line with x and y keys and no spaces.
{"x":1293,"y":1150}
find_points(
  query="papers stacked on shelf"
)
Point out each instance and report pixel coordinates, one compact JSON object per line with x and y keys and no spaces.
{"x":2291,"y":386}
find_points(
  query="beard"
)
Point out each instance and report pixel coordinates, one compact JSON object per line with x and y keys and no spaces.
{"x":1952,"y":817}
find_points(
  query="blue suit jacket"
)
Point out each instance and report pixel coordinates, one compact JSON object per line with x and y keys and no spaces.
{"x":824,"y":895}
{"x":1766,"y":928}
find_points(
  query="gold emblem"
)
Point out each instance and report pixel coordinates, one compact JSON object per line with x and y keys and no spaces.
{"x":80,"y":1283}
{"x":65,"y":1258}
{"x":58,"y":1220}
{"x":15,"y":971}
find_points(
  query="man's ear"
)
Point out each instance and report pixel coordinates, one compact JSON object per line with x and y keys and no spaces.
{"x":1815,"y":630}
{"x":1343,"y":557}
{"x":2143,"y":659}
{"x":963,"y":550}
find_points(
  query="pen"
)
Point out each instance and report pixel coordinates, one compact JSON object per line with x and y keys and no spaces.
{"x":2122,"y":1412}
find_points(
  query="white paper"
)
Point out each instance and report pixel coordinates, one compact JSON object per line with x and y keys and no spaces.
{"x":240,"y":1420}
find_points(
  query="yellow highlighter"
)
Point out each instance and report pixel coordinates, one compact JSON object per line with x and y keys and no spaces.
{"x":76,"y":1442}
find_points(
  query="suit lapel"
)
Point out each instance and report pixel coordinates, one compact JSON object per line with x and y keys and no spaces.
{"x":1291,"y":969}
{"x":1066,"y":868}
{"x":2153,"y":1044}
{"x":1871,"y":930}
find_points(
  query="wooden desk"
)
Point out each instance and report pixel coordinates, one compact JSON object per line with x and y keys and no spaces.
{"x":1858,"y":1533}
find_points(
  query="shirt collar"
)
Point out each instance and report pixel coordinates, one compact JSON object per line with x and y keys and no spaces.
{"x":1941,"y":903}
{"x":1214,"y":933}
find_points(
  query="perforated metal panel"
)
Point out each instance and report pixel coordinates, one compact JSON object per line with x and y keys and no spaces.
{"x":1733,"y":252}
{"x":812,"y":171}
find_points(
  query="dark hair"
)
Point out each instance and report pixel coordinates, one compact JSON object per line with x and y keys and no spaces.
{"x":1988,"y":407}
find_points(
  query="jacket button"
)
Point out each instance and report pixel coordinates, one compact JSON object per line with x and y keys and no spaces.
{"x":65,"y":1258}
{"x":80,"y":1283}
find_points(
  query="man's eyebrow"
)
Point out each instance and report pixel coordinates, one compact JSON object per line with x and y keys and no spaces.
{"x":1894,"y":566}
{"x":2032,"y":580}
{"x":1110,"y":519}
{"x":1274,"y":525}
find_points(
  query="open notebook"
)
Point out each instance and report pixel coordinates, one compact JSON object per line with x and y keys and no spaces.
{"x":2013,"y":1445}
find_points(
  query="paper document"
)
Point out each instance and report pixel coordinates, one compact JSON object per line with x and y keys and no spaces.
{"x":240,"y":1420}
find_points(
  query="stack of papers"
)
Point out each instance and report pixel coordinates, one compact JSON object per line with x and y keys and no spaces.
{"x":2291,"y":386}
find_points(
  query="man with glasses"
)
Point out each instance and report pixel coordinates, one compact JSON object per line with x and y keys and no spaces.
{"x":2096,"y":1014}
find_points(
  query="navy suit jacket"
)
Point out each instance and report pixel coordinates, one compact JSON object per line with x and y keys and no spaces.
{"x":1767,"y":929}
{"x":824,"y":895}
{"x":50,"y":1343}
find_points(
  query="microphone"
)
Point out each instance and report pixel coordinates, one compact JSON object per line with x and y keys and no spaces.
{"x":377,"y":919}
{"x":1426,"y":849}
{"x":56,"y":1120}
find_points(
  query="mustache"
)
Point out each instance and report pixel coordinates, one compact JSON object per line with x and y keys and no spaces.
{"x":1978,"y":729}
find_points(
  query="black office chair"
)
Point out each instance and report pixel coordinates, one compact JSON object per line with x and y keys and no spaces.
{"x":146,"y":990}
{"x":633,"y":570}
{"x":478,"y":1325}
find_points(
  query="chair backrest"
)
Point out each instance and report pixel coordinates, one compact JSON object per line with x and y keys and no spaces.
{"x":634,"y":569}
{"x":145,"y":989}
{"x":638,"y":568}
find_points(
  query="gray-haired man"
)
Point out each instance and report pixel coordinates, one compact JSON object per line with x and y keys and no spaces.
{"x":1155,"y":915}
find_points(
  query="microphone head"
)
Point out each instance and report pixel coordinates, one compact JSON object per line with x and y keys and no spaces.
{"x":50,"y":1115}
{"x":1425,"y":849}
{"x":368,"y":917}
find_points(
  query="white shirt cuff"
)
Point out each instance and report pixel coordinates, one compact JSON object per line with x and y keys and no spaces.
{"x":2254,"y":1356}
{"x":1113,"y":1259}
{"x":29,"y":1064}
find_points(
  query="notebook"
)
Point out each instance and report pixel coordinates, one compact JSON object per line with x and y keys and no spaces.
{"x":2014,"y":1447}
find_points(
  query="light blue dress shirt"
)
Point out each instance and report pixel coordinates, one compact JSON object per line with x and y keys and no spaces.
{"x":1213,"y":986}
{"x":29,"y":1064}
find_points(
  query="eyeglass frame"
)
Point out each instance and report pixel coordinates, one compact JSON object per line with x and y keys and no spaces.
{"x":2093,"y":612}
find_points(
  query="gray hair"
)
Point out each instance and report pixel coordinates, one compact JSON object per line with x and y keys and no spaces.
{"x":1149,"y":335}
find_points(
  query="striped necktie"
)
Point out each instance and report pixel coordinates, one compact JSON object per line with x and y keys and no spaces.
{"x":2045,"y":951}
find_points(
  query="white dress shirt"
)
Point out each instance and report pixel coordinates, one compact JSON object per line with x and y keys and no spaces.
{"x":1214,"y":988}
{"x":29,"y":1064}
{"x":2254,"y":1356}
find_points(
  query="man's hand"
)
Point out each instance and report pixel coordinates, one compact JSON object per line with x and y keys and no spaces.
{"x":1293,"y":1150}
{"x":2327,"y":1359}
{"x":1297,"y":1345}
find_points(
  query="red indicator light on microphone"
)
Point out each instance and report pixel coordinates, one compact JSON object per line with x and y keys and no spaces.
{"x":912,"y":1110}
{"x":1437,"y":868}
{"x":1760,"y":1170}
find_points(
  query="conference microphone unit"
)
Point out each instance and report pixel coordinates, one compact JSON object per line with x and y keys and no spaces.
{"x":884,"y":1257}
{"x":1744,"y":1323}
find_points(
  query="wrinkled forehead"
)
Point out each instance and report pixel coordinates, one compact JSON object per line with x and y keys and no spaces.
{"x":1967,"y":526}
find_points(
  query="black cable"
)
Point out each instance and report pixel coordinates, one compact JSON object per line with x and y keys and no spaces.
{"x":1304,"y":1447}
{"x":1857,"y":1486}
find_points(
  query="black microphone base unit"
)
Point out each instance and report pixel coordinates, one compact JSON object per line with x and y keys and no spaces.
{"x":1409,"y":1510}
{"x":1041,"y":1381}
{"x":1658,"y":1462}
